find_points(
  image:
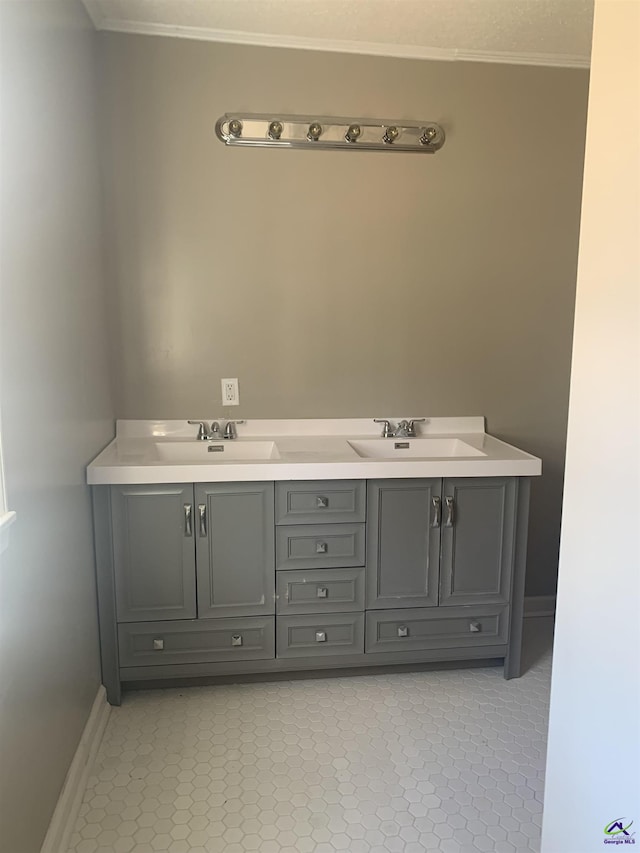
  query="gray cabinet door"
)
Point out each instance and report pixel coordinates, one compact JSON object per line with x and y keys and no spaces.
{"x":478,"y":518}
{"x":403,"y":543}
{"x":234,"y":529}
{"x":153,"y":552}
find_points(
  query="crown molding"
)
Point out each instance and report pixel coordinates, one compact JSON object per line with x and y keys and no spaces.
{"x":399,"y":51}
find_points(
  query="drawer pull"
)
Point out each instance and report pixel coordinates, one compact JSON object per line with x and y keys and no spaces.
{"x":450,"y":505}
{"x":236,"y":639}
{"x":321,"y":637}
{"x":202,"y":517}
{"x":437,"y":512}
{"x":158,"y":645}
{"x":475,"y":627}
{"x":188,"y":529}
{"x":321,"y":547}
{"x":403,"y":631}
{"x":322,"y":592}
{"x":321,"y":502}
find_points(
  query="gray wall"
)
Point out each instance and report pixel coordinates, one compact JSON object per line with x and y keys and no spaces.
{"x":338,"y":284}
{"x":56,"y":410}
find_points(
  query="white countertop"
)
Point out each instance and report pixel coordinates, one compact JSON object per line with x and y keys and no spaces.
{"x":304,"y":450}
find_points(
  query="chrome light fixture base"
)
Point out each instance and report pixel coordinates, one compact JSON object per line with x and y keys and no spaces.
{"x":329,"y":133}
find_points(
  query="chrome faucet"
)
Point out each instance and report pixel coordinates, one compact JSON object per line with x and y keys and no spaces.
{"x":405,"y":429}
{"x":204,"y":433}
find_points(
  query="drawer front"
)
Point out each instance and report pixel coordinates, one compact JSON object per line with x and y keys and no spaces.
{"x":320,"y":502}
{"x":320,"y":546}
{"x":318,"y":635}
{"x":154,"y":643}
{"x":432,"y":628}
{"x":320,"y":591}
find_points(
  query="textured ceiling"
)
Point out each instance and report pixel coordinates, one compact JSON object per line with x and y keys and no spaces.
{"x":545,"y":32}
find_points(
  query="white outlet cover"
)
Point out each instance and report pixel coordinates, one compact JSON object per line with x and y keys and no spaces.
{"x":230,"y":392}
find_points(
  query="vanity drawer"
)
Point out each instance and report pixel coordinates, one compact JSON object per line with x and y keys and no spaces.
{"x":431,"y":628}
{"x":320,"y":546}
{"x":318,"y":635}
{"x":150,"y":643}
{"x":320,"y":591}
{"x":320,"y":502}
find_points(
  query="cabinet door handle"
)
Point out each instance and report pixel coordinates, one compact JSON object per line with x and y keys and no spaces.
{"x":403,"y":631}
{"x":188,"y":528}
{"x":236,"y":639}
{"x":158,"y":645}
{"x":437,"y":512}
{"x":450,"y":505}
{"x":202,"y":518}
{"x":322,"y":592}
{"x":475,"y":627}
{"x":321,"y":547}
{"x":321,"y":637}
{"x":322,"y":502}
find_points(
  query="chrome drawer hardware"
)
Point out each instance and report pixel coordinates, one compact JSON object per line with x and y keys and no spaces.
{"x":403,"y":631}
{"x":321,"y":547}
{"x":202,"y":517}
{"x":437,"y":512}
{"x":322,"y":503}
{"x":236,"y":639}
{"x":450,"y":505}
{"x":321,"y":637}
{"x":322,"y":592}
{"x":475,"y":627}
{"x":158,"y":645}
{"x":188,"y":528}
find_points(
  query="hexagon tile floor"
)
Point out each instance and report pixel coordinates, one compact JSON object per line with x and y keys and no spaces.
{"x":447,"y":761}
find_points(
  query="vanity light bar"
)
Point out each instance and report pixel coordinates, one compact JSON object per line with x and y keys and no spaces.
{"x":328,"y":132}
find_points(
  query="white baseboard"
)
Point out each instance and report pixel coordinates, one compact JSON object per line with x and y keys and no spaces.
{"x":66,"y":812}
{"x":539,"y":605}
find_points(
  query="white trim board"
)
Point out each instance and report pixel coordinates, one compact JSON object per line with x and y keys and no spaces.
{"x":399,"y":51}
{"x":66,"y":811}
{"x":539,"y":605}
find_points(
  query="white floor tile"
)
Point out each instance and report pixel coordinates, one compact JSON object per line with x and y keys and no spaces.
{"x":448,"y":761}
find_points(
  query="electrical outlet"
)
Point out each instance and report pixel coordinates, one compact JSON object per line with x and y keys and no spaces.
{"x":230,"y":392}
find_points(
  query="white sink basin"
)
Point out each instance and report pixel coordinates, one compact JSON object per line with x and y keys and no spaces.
{"x":413,"y":448}
{"x":204,"y":452}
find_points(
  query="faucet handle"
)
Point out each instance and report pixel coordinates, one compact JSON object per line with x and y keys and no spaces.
{"x":215,"y":430}
{"x":230,"y":430}
{"x":386,"y":428}
{"x":412,"y":425}
{"x":203,"y":431}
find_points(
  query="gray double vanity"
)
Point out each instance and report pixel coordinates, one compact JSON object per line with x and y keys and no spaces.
{"x":307,"y":546}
